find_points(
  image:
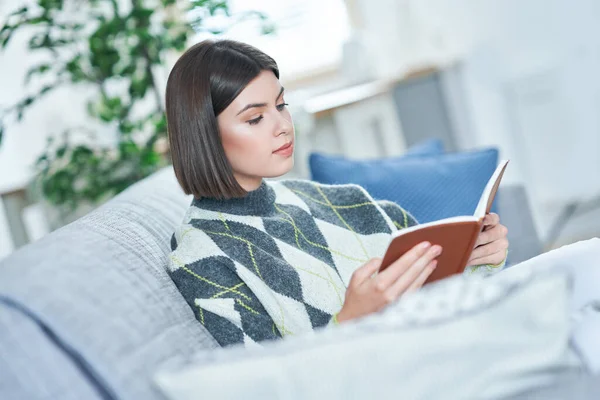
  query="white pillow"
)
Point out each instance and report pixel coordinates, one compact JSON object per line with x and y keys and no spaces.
{"x":458,"y":339}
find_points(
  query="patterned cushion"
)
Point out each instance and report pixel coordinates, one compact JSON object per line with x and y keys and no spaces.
{"x":449,"y":340}
{"x":431,"y":187}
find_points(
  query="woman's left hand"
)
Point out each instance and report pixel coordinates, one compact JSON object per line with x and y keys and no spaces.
{"x":491,"y":244}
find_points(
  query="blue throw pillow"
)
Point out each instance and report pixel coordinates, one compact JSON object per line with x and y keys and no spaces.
{"x":430,"y":187}
{"x":426,"y":148}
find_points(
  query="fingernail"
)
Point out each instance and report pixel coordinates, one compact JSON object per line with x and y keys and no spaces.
{"x":437,"y":250}
{"x":425,"y":245}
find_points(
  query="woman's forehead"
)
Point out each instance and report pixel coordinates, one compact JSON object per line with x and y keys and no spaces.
{"x":262,"y":89}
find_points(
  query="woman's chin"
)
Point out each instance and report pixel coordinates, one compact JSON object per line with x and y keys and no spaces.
{"x":281,"y":169}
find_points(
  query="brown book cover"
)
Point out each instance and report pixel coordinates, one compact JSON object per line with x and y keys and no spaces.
{"x":456,"y":235}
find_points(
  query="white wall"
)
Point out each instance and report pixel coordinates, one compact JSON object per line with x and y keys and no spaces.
{"x":530,"y":75}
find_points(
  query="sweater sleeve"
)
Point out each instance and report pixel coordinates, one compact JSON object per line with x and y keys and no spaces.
{"x":220,"y":300}
{"x":486,"y":269}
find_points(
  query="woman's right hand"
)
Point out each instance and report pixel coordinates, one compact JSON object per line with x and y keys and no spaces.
{"x":366,"y":294}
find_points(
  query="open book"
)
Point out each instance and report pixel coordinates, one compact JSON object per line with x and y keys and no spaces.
{"x":456,"y":235}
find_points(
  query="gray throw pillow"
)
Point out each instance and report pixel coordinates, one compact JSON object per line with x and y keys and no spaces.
{"x":459,"y":338}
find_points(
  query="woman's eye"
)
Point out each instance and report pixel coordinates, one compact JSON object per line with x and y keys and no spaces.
{"x":255,"y":120}
{"x":281,"y":106}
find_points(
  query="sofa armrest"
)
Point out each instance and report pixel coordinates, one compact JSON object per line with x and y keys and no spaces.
{"x":515,"y":214}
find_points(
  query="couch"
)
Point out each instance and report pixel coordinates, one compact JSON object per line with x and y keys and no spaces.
{"x":89,"y":312}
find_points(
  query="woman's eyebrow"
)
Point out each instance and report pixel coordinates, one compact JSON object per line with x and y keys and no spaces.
{"x":257,"y":105}
{"x":248,"y":106}
{"x":280,"y":93}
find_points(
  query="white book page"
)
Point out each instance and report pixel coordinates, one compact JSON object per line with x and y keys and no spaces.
{"x":444,"y":221}
{"x":485,"y":196}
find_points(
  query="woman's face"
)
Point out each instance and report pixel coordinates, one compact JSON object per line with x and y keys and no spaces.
{"x":254,"y":128}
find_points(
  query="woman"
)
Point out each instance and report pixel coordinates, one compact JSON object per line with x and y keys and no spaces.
{"x":259,"y":260}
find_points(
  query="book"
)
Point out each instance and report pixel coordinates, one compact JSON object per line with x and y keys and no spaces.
{"x":456,"y":235}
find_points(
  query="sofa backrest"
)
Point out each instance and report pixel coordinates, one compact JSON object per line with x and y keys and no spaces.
{"x":94,"y":299}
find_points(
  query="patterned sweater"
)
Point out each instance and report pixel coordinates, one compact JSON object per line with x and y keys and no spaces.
{"x":277,"y":262}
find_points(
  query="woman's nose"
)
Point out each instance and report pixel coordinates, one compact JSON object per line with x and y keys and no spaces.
{"x":284,"y":124}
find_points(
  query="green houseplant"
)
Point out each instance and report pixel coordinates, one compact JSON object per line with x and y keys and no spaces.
{"x":115,"y":49}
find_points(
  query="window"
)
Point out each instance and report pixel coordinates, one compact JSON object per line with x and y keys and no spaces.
{"x":309,"y":36}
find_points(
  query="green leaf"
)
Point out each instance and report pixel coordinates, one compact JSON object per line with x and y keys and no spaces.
{"x":81,"y":154}
{"x":268,"y":28}
{"x":37,"y":20}
{"x":150,"y":158}
{"x":46,"y":89}
{"x":38,"y":41}
{"x":37,"y":70}
{"x":20,"y":11}
{"x":216,"y":6}
{"x":142,"y":14}
{"x":110,"y":108}
{"x":126,"y":127}
{"x":161,"y":125}
{"x":51,"y":4}
{"x":73,"y":67}
{"x":138,"y":87}
{"x":128,"y":149}
{"x":61,"y":151}
{"x":5,"y":35}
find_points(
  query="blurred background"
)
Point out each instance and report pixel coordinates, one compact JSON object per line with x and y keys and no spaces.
{"x":82,"y":93}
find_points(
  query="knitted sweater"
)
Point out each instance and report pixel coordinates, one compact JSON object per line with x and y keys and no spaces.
{"x":277,"y":261}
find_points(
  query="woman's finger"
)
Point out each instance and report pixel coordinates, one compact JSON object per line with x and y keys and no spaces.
{"x":365,"y":272}
{"x":405,"y":280}
{"x":418,"y":283}
{"x":388,"y":276}
{"x":492,"y":259}
{"x":488,"y":250}
{"x":491,"y":219}
{"x":490,"y":235}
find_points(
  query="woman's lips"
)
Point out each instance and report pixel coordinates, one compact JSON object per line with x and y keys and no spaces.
{"x":285,"y":150}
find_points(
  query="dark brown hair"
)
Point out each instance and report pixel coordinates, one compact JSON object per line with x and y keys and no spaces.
{"x":203,"y":82}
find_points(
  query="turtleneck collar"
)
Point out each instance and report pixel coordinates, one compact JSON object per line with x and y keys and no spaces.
{"x":259,"y":202}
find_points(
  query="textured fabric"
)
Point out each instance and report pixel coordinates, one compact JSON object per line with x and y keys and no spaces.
{"x":456,"y":339}
{"x":277,"y":261}
{"x":515,"y":213}
{"x":100,"y":285}
{"x":580,"y":260}
{"x":429,"y":187}
{"x":32,"y":367}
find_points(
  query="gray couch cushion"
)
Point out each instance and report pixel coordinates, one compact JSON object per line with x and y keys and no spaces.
{"x":456,"y":339}
{"x":100,"y":284}
{"x":33,"y":366}
{"x":515,"y":214}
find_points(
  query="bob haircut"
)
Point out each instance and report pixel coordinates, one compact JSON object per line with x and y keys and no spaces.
{"x":202,"y":83}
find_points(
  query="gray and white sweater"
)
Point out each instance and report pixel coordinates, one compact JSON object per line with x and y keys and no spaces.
{"x":277,"y":261}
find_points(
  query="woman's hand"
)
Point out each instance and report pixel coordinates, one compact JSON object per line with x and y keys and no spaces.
{"x":367,"y":294}
{"x":491,"y":244}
